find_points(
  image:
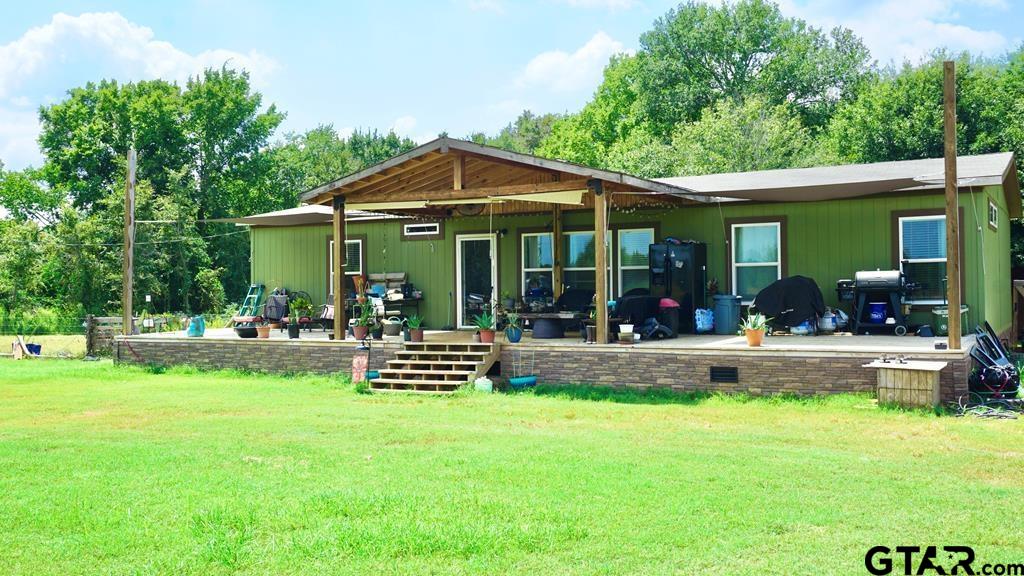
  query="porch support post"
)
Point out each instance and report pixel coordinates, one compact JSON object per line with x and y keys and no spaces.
{"x":556,"y":250}
{"x":952,"y":211}
{"x":600,"y":258}
{"x":340,"y":322}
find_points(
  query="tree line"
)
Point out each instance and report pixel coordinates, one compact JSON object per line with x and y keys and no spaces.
{"x":712,"y":88}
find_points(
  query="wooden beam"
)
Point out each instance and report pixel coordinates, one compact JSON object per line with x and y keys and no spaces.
{"x":600,"y":259}
{"x":952,"y":206}
{"x":340,"y":322}
{"x":556,"y":250}
{"x":458,"y":169}
{"x":482,"y":192}
{"x":128,"y":264}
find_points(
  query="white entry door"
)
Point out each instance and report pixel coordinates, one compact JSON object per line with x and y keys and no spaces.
{"x":476,"y":275}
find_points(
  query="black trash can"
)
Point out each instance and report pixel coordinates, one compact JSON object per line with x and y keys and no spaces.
{"x":668,"y":314}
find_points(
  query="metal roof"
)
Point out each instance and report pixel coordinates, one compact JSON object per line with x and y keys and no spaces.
{"x":854,"y":180}
{"x":310,"y":214}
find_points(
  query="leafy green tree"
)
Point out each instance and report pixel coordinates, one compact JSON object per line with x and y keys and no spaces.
{"x":752,"y":135}
{"x":27,"y":197}
{"x":523,"y":135}
{"x":21,"y":255}
{"x":898,"y":116}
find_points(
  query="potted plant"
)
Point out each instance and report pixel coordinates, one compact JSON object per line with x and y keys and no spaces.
{"x":365,"y":321}
{"x":507,"y":300}
{"x":263,"y":330}
{"x":753,"y":327}
{"x":415,"y":325}
{"x":485,"y":324}
{"x":513,"y":331}
{"x":300,"y":309}
{"x":377,"y":330}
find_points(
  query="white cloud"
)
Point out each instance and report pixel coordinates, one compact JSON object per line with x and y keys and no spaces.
{"x":495,"y":6}
{"x":561,"y":71}
{"x":404,"y":125}
{"x":130,"y":45}
{"x":898,"y":30}
{"x":19,"y":129}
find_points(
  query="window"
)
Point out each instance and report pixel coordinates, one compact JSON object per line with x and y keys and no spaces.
{"x":579,"y":252}
{"x":538,"y":263}
{"x":633,"y":259}
{"x":353,"y":262}
{"x":756,"y":257}
{"x":422,"y":229}
{"x":993,"y":215}
{"x":922,"y":253}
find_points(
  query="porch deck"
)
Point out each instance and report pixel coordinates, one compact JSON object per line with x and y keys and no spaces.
{"x":837,"y":343}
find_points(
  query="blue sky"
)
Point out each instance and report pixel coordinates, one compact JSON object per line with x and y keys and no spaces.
{"x":418,"y":67}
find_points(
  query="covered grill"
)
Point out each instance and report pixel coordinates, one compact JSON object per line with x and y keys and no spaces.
{"x":877,"y":297}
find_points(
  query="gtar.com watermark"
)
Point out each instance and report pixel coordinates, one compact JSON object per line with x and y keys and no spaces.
{"x":880,"y":561}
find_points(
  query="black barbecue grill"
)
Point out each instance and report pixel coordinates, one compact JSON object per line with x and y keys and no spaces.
{"x":888,"y":287}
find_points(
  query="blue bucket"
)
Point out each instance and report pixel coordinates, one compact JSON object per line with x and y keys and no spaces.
{"x":876,"y":311}
{"x":34,"y":349}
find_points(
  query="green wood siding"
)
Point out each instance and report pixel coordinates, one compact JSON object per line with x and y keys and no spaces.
{"x":824,"y":240}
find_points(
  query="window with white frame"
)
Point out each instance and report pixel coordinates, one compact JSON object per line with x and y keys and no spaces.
{"x":579,"y":251}
{"x":422,"y":229}
{"x":756,"y":257}
{"x":353,"y":261}
{"x":922,"y":249}
{"x":538,"y":264}
{"x":633,"y":245}
{"x":993,"y":215}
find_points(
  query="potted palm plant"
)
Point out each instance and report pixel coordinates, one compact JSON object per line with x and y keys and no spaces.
{"x":365,"y":321}
{"x":415,"y":325}
{"x":300,"y":309}
{"x":753,"y":327}
{"x":485,"y":324}
{"x":513,"y":331}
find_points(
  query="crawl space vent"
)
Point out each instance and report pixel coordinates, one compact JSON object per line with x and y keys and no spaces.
{"x":725,"y":374}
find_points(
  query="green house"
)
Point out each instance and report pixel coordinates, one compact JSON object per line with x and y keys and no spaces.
{"x":461,"y":219}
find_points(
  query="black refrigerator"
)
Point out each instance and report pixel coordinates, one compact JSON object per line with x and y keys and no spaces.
{"x":679,"y":271}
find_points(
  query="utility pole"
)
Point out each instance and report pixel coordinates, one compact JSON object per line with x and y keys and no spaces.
{"x":952,"y":206}
{"x":129,"y":245}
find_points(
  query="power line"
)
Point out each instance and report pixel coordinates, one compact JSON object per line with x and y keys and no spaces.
{"x":152,"y":242}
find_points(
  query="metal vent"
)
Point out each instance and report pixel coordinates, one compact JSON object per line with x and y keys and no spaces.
{"x":725,"y":374}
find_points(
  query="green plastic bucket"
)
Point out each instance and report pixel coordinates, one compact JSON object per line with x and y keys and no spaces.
{"x":940,"y":320}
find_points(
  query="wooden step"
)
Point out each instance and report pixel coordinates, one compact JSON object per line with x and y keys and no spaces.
{"x":426,"y":372}
{"x":448,"y":347}
{"x":435,"y":362}
{"x":479,"y":353}
{"x":411,"y":391}
{"x":455,"y":383}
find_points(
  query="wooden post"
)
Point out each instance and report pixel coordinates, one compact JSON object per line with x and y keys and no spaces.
{"x":458,"y":171}
{"x":952,"y":208}
{"x":600,"y":258}
{"x":340,"y":322}
{"x":556,"y":251}
{"x":128,"y":269}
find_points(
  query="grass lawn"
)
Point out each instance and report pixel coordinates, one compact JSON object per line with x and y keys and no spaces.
{"x":117,"y":470}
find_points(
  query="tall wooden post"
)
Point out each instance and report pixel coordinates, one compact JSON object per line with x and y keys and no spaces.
{"x":600,"y":258}
{"x":556,"y":250}
{"x":340,"y":322}
{"x":128,"y":264}
{"x":952,"y":207}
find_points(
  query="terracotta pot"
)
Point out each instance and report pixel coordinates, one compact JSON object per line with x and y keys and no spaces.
{"x":487,"y":336}
{"x":263,"y":331}
{"x":360,"y":332}
{"x":275,"y":325}
{"x":416,"y":334}
{"x":754,"y":337}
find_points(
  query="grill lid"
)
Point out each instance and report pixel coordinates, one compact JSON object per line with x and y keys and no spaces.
{"x":879,"y":280}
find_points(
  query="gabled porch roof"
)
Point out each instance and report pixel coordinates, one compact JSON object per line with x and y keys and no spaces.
{"x":449,"y":172}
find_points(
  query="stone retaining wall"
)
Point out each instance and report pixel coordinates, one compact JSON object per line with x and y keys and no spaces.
{"x":760,"y":372}
{"x":255,"y":354}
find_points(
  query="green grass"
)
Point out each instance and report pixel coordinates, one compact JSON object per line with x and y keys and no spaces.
{"x":120,"y":470}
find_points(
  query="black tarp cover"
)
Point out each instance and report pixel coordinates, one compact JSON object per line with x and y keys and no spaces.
{"x":790,"y":301}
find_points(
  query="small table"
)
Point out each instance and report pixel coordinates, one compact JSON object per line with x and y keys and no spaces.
{"x":911,"y":383}
{"x":548,"y":325}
